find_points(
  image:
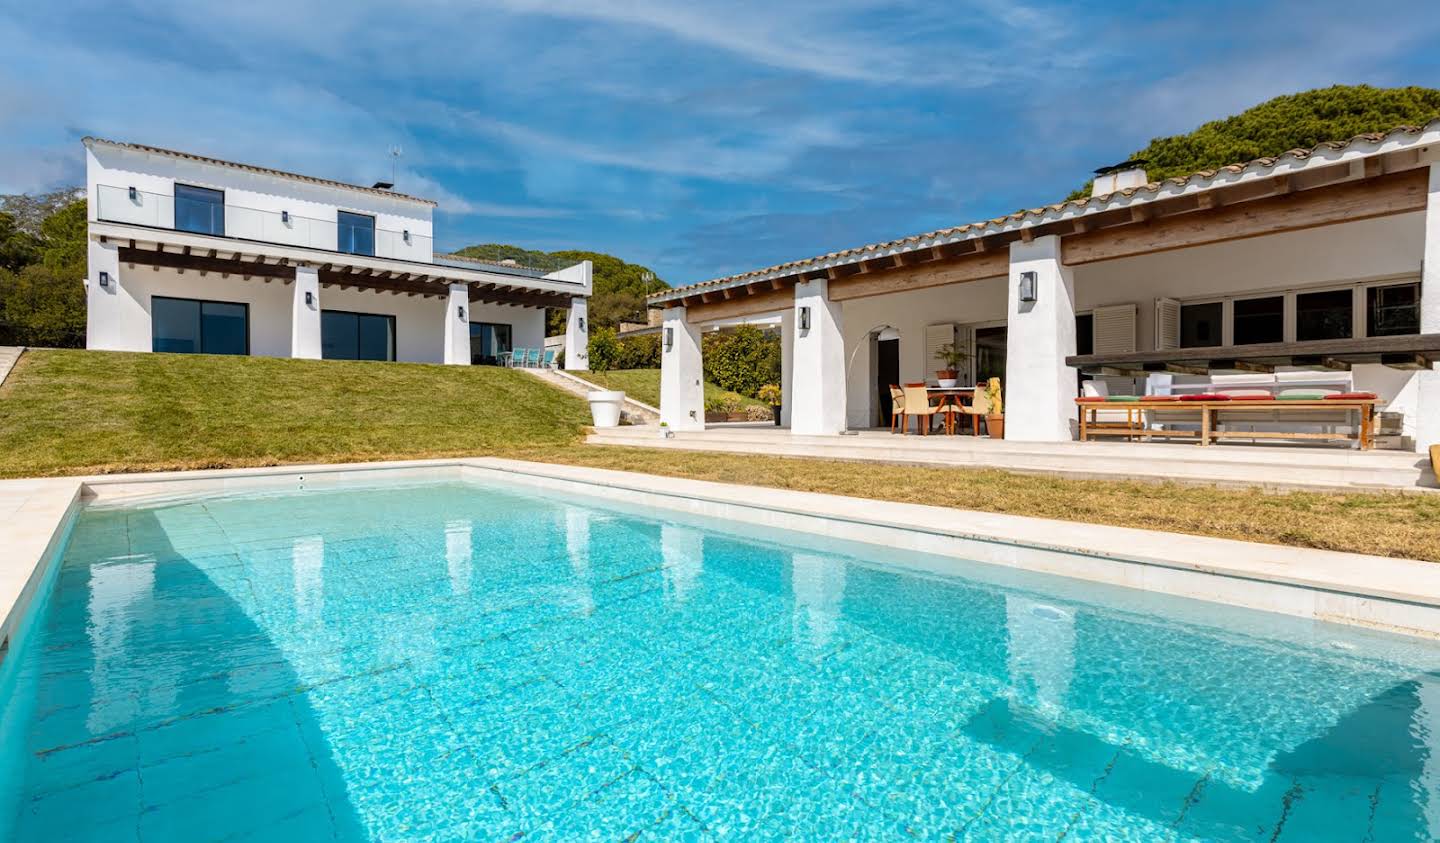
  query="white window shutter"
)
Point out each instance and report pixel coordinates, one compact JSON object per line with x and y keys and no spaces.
{"x":1167,"y":324}
{"x":935,"y":337}
{"x":1115,"y":329}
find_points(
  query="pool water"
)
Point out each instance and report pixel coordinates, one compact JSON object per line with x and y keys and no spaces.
{"x":453,"y":662}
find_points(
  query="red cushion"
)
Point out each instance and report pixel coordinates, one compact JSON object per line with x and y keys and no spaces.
{"x":1091,"y":399}
{"x":1205,"y":396}
{"x":1252,"y":398}
{"x":1352,"y":396}
{"x":1150,"y":398}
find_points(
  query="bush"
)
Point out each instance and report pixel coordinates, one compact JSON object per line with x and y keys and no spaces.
{"x":725,"y":402}
{"x":639,"y":352}
{"x":44,"y":308}
{"x":604,"y":349}
{"x":755,"y":412}
{"x":742,"y":360}
{"x":771,"y":394}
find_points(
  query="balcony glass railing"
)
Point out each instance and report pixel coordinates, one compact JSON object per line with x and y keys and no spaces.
{"x":157,"y":210}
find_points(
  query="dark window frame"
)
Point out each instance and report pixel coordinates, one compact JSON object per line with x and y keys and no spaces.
{"x":201,"y":339}
{"x":1372,"y":291}
{"x":175,"y":209}
{"x":1235,"y":318}
{"x":394,"y":333}
{"x":1350,"y":324}
{"x":1219,"y":322}
{"x":1080,"y":319}
{"x":341,"y":224}
{"x":510,"y":328}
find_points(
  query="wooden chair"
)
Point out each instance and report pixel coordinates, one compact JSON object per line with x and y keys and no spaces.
{"x":951,"y":408}
{"x":897,"y":407}
{"x":979,"y":406}
{"x":917,"y":405}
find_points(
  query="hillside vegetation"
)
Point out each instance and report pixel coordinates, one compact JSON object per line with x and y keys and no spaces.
{"x":1294,"y":121}
{"x":72,"y":412}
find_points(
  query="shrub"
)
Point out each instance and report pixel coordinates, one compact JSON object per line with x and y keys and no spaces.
{"x":742,"y":360}
{"x":639,"y":352}
{"x":771,"y":394}
{"x":755,"y":412}
{"x":725,"y":402}
{"x":604,"y":349}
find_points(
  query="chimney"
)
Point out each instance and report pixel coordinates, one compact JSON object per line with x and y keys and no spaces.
{"x":1126,"y":175}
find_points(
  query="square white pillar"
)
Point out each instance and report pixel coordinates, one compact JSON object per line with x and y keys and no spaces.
{"x":1040,"y":397}
{"x":577,"y":336}
{"x":305,"y":314}
{"x":457,"y":326}
{"x":682,"y":373}
{"x":817,"y":389}
{"x":1427,"y":394}
{"x":787,"y":364}
{"x":114,"y":320}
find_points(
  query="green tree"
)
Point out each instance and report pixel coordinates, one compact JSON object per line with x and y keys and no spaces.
{"x":604,"y":349}
{"x":63,"y":243}
{"x":742,"y":360}
{"x":1294,"y":121}
{"x":43,"y":308}
{"x":17,"y":247}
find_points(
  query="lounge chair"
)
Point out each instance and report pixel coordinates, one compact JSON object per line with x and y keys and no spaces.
{"x":917,"y":405}
{"x":897,"y":407}
{"x":532,"y":358}
{"x":549,"y":358}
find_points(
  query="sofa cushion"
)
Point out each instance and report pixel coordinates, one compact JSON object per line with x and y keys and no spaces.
{"x":1303,"y":395}
{"x":1090,"y":399}
{"x":1148,"y":399}
{"x":1122,"y":399}
{"x":1353,"y":396}
{"x":1205,"y":396}
{"x":1265,"y":397}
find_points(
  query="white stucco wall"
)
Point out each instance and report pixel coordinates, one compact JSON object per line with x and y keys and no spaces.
{"x":253,"y":202}
{"x":527,"y":324}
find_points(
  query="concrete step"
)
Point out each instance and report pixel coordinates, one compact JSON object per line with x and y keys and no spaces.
{"x":9,"y":354}
{"x":633,"y":412}
{"x":1230,"y":465}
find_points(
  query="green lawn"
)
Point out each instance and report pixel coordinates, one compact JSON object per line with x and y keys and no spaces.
{"x":68,"y":412}
{"x":79,"y":412}
{"x":644,"y":385}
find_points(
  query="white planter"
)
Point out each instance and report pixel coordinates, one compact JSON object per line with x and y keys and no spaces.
{"x":605,"y":407}
{"x":948,"y":382}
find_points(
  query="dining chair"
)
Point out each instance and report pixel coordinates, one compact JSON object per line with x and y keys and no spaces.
{"x":897,"y":407}
{"x":979,"y":406}
{"x":917,"y":404}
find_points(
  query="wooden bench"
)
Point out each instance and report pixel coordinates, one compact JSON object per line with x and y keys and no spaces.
{"x":1211,"y":415}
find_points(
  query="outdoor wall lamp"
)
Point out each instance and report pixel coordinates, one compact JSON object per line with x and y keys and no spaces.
{"x":804,"y":318}
{"x":285,"y":217}
{"x":461,"y":310}
{"x":105,"y":280}
{"x":582,"y":323}
{"x":669,"y":338}
{"x":406,"y":235}
{"x":134,"y":194}
{"x":309,"y":299}
{"x":1027,"y":287}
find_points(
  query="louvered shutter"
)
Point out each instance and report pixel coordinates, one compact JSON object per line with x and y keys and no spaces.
{"x":1167,"y":324}
{"x":1115,"y":329}
{"x":936,"y":336}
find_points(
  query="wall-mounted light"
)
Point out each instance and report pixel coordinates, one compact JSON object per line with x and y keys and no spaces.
{"x":582,"y":324}
{"x":105,"y":280}
{"x":406,"y":234}
{"x":134,"y":194}
{"x":285,"y":217}
{"x":669,"y":338}
{"x":804,"y":318}
{"x":309,"y":299}
{"x":461,"y":310}
{"x":1027,"y":287}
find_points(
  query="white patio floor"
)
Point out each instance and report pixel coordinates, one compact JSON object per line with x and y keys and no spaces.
{"x":1232,"y":464}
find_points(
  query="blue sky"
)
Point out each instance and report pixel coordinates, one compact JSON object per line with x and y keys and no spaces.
{"x":697,"y":139}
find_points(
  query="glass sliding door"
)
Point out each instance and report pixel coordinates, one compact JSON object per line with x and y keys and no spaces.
{"x":356,"y":336}
{"x":189,"y":326}
{"x":199,"y":209}
{"x":990,"y":354}
{"x":488,"y":340}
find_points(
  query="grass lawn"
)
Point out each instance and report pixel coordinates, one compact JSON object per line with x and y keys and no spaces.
{"x":644,"y":385}
{"x":78,"y":412}
{"x":75,"y":412}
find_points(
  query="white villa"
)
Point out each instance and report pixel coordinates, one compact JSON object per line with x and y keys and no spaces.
{"x":1317,"y":267}
{"x":194,"y":254}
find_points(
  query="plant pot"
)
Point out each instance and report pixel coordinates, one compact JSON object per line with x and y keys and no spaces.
{"x":775,"y":411}
{"x":996,"y":426}
{"x":605,"y":407}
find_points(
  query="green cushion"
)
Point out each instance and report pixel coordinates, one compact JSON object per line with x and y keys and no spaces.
{"x":1122,"y":399}
{"x":1301,"y":396}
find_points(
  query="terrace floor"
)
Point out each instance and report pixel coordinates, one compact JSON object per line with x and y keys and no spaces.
{"x":1280,"y":466}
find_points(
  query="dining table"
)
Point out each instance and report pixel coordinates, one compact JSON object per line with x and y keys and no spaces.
{"x":959,"y":394}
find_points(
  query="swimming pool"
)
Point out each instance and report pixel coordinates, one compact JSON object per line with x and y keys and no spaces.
{"x":452,"y":661}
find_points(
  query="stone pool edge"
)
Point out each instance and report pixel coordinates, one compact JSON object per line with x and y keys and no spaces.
{"x":1395,"y":595}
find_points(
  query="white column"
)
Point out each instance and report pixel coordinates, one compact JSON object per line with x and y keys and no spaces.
{"x":577,"y":336}
{"x":682,"y":552}
{"x":1040,"y":397}
{"x":787,"y":364}
{"x":1427,"y":394}
{"x":682,"y":373}
{"x":305,"y":314}
{"x":818,"y":386}
{"x":114,"y":321}
{"x":457,"y":326}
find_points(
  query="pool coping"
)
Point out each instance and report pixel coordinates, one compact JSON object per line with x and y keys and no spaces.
{"x":1396,"y":595}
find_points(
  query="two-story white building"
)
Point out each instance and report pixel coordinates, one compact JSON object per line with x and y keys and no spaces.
{"x":192,"y":254}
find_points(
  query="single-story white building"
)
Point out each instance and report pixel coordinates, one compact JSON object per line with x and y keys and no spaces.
{"x":192,"y":254}
{"x":1316,"y":267}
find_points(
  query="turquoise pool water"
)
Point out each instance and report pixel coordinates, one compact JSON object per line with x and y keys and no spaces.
{"x":451,"y":662}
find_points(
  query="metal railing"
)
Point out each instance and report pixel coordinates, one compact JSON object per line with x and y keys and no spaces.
{"x":158,"y":210}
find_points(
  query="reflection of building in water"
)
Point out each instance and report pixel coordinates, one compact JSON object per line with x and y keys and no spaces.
{"x":682,"y":552}
{"x":1042,"y":649}
{"x":307,"y":554}
{"x":1426,"y":731}
{"x":819,"y":586}
{"x":119,"y":593}
{"x":458,"y":553}
{"x":577,"y":547}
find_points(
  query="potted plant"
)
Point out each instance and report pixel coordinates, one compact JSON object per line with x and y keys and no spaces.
{"x":770,"y":394}
{"x":995,"y":419}
{"x":665,"y":432}
{"x":953,"y":356}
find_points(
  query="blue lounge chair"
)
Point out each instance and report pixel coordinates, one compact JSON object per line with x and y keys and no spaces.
{"x":532,"y":357}
{"x":549,"y":359}
{"x":517,"y":357}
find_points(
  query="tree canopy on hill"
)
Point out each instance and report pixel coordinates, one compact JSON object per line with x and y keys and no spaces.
{"x":42,"y":269}
{"x":620,"y":287}
{"x":1294,"y":121}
